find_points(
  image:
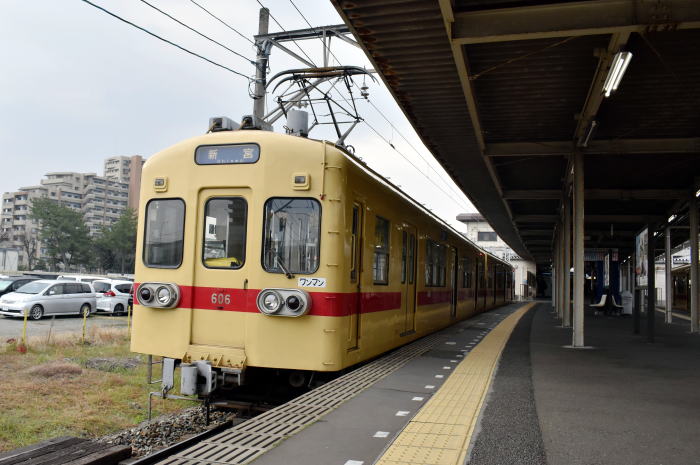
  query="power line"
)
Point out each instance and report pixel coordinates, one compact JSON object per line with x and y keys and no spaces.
{"x":314,"y":29}
{"x":166,"y":40}
{"x":412,"y":146}
{"x":414,"y":166}
{"x":284,"y":30}
{"x":222,"y":22}
{"x":199,"y":33}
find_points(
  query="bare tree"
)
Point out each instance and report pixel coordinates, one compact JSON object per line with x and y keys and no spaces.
{"x":30,"y":245}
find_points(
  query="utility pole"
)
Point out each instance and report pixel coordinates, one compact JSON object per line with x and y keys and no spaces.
{"x":261,"y":65}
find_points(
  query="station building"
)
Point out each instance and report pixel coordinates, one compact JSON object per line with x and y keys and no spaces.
{"x":481,"y":233}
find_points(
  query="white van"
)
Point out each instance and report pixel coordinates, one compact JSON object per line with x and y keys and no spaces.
{"x":80,"y":278}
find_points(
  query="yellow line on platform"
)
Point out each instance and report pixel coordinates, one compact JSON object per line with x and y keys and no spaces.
{"x":441,"y":431}
{"x":675,"y":314}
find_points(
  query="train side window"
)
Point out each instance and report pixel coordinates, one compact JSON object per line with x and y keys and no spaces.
{"x":466,"y":274}
{"x":291,"y":235}
{"x":356,"y":248}
{"x":164,"y":233}
{"x":404,"y":256}
{"x":225,"y":222}
{"x":380,"y":264}
{"x":435,"y":264}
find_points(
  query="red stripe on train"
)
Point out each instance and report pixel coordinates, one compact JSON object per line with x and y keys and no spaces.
{"x":322,"y":303}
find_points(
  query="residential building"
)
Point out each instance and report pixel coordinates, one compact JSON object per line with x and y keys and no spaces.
{"x":100,"y":199}
{"x":481,"y":233}
{"x":126,"y":169}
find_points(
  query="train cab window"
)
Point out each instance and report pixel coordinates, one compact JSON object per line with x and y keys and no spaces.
{"x":435,"y":264}
{"x":380,"y":264}
{"x":164,"y":234}
{"x":224,"y":232}
{"x":291,"y":235}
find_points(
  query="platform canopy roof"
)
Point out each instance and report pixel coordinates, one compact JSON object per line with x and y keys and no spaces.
{"x":503,"y":92}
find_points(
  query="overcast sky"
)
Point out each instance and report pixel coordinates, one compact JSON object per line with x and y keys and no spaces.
{"x":77,"y":86}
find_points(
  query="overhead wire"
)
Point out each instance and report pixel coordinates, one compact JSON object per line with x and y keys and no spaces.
{"x":197,"y":32}
{"x":456,"y":202}
{"x":166,"y":40}
{"x":384,"y":116}
{"x":314,"y":29}
{"x":413,"y":147}
{"x":223,"y":22}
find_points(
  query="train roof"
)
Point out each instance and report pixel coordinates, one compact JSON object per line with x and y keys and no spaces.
{"x":363,"y":166}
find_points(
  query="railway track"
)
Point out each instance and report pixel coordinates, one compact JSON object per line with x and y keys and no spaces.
{"x":242,"y":440}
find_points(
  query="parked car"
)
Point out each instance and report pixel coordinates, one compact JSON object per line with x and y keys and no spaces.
{"x":112,"y":295}
{"x":79,"y":278}
{"x":12,"y":283}
{"x":47,"y":297}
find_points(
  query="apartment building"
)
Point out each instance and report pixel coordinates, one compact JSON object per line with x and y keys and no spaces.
{"x":126,"y":169}
{"x":100,"y":199}
{"x":481,"y":233}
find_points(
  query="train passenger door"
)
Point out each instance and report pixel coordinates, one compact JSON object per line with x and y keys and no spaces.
{"x":477,"y":286}
{"x":408,"y":277}
{"x":357,"y":228}
{"x":453,"y":282}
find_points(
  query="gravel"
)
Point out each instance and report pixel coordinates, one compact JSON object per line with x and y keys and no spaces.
{"x":148,"y":437}
{"x":112,"y":363}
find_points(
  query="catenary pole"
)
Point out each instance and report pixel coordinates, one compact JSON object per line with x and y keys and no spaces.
{"x":261,"y":65}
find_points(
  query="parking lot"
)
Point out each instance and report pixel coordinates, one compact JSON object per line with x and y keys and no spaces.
{"x":12,"y":327}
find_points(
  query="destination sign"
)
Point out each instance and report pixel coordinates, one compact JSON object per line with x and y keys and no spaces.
{"x":227,"y":154}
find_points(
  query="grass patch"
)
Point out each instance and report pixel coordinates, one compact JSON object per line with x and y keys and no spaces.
{"x":60,"y":387}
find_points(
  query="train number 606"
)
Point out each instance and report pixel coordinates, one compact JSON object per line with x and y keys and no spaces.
{"x":221,"y":299}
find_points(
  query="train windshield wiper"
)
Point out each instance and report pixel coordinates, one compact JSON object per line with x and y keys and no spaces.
{"x":280,"y":262}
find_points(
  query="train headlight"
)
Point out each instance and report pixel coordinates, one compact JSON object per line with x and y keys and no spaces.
{"x":159,"y":295}
{"x":284,"y":302}
{"x":270,"y":302}
{"x":163,"y":295}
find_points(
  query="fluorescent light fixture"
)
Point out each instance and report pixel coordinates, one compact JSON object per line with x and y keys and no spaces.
{"x":671,"y":218}
{"x":697,"y":194}
{"x":617,"y":70}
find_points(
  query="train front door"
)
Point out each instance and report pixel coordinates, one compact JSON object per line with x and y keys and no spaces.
{"x":222,"y":224}
{"x":356,"y":275}
{"x":408,"y":277}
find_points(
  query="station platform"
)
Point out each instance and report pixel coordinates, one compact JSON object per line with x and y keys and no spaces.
{"x":499,"y":388}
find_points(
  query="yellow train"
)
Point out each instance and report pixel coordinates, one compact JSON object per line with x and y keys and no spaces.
{"x":262,"y":251}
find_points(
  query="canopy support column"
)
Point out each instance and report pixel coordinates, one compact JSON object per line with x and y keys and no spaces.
{"x":651,"y":282}
{"x":694,"y":294}
{"x":669,"y":279}
{"x":579,"y":272}
{"x":566,"y":322}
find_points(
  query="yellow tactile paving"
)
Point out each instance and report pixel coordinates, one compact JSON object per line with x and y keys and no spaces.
{"x":441,"y":431}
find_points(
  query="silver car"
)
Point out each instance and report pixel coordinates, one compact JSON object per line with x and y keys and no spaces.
{"x":47,"y":297}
